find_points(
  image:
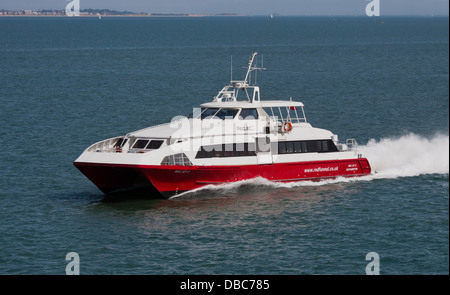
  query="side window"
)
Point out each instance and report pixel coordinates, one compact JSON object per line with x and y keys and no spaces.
{"x":140,"y":144}
{"x":154,"y":144}
{"x":248,"y":114}
{"x":119,"y":142}
{"x":244,"y":149}
{"x":318,"y":146}
{"x":226,"y":113}
{"x":325,"y":145}
{"x":307,"y":146}
{"x":282,"y":148}
{"x":196,"y":112}
{"x":289,"y":147}
{"x":331,"y":146}
{"x":297,"y":147}
{"x":304,"y":147}
{"x":311,"y":146}
{"x":209,"y":113}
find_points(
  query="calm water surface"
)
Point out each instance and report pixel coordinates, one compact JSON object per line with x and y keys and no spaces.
{"x":66,"y":83}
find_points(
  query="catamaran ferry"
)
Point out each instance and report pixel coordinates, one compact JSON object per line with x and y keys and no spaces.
{"x":222,"y":141}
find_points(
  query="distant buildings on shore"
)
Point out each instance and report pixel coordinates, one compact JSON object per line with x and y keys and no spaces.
{"x":32,"y":12}
{"x":91,"y":12}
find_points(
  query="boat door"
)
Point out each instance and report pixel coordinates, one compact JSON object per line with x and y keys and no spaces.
{"x":263,"y":151}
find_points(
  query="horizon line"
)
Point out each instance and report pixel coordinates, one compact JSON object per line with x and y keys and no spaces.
{"x":223,"y":14}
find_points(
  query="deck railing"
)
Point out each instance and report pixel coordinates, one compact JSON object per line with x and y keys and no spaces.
{"x":105,"y":146}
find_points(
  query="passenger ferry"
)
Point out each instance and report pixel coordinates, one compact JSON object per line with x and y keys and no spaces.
{"x":222,"y":141}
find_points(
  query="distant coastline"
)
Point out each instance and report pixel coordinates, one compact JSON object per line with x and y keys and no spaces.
{"x":101,"y":12}
{"x":114,"y":13}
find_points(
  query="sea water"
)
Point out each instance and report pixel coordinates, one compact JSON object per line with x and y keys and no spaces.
{"x":66,"y":83}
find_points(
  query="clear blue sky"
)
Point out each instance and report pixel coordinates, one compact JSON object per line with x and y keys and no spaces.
{"x":247,"y":7}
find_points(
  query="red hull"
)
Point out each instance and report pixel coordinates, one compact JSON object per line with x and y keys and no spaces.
{"x":171,"y":180}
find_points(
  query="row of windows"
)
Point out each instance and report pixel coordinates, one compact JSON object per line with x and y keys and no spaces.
{"x":247,"y":149}
{"x":289,"y":113}
{"x":147,"y":144}
{"x":226,"y":150}
{"x":307,"y":146}
{"x":216,"y":113}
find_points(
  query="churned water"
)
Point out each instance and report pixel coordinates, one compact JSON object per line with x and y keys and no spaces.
{"x":66,"y":83}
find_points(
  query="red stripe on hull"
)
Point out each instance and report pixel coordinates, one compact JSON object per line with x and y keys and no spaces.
{"x":171,"y":180}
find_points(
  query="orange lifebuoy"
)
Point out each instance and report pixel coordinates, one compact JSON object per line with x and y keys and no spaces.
{"x":287,"y":127}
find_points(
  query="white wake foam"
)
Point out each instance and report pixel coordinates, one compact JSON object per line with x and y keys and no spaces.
{"x":405,"y":156}
{"x":408,"y":155}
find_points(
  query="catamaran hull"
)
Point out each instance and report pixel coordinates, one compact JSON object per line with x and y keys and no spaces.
{"x":170,"y":180}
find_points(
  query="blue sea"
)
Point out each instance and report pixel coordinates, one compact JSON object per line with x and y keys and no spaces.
{"x":66,"y":83}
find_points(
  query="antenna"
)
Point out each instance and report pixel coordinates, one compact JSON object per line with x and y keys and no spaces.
{"x":250,"y":68}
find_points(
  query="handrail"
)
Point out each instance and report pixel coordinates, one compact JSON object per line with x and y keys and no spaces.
{"x":104,"y":145}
